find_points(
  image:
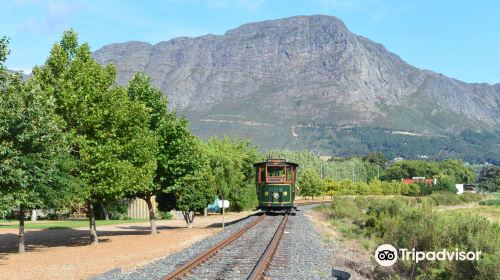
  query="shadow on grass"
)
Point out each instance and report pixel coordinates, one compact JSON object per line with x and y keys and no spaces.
{"x":57,"y":236}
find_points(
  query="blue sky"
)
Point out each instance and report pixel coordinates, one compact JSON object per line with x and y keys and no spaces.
{"x":460,"y":39}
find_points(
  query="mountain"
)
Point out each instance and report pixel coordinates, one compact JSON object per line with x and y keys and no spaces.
{"x":308,"y":82}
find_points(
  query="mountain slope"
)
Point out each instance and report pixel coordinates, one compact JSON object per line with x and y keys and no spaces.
{"x":274,"y":79}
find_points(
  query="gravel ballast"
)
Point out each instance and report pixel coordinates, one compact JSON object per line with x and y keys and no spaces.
{"x":300,"y":255}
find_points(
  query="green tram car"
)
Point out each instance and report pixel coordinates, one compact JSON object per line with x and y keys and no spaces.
{"x":276,"y":184}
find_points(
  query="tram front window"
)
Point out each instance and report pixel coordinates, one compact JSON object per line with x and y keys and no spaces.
{"x":275,"y":171}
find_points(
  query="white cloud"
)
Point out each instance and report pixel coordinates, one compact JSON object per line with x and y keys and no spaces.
{"x":55,"y":15}
{"x":248,"y":5}
{"x":344,"y":5}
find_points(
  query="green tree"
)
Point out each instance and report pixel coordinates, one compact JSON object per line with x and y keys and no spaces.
{"x":347,"y":187}
{"x":457,"y":170}
{"x":160,"y":123}
{"x":108,"y":136}
{"x":444,"y":183}
{"x":376,"y":158}
{"x":331,"y":187}
{"x":489,"y":178}
{"x":182,"y":170}
{"x":310,"y":183}
{"x":33,"y":147}
{"x":193,"y":193}
{"x":231,"y":162}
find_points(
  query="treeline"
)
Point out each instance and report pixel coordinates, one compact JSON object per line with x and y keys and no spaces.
{"x":469,"y":145}
{"x":69,"y":135}
{"x":373,"y":175}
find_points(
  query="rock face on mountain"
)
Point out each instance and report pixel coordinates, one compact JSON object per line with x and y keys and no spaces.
{"x":304,"y":71}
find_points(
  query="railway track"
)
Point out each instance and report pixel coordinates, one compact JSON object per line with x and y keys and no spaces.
{"x":246,"y":254}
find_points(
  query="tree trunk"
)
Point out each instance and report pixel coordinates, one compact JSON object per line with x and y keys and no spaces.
{"x":105,"y":212}
{"x":151,"y":214}
{"x":21,"y":231}
{"x":93,"y":230}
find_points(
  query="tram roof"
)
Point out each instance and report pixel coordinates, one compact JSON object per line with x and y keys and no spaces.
{"x":275,"y":161}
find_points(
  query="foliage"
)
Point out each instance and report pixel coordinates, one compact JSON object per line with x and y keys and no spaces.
{"x":386,"y":221}
{"x":231,"y":163}
{"x":33,"y":147}
{"x":165,"y":215}
{"x":108,"y":132}
{"x":468,"y":145}
{"x":336,"y":169}
{"x":109,"y":138}
{"x":192,"y":194}
{"x":310,"y":183}
{"x":455,"y":170}
{"x":489,"y":178}
{"x":376,"y":158}
{"x":115,"y":210}
{"x":374,"y":187}
{"x":490,"y":202}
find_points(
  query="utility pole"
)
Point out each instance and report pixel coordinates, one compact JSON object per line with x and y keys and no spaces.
{"x":352,"y":163}
{"x":378,"y":171}
{"x":321,"y":171}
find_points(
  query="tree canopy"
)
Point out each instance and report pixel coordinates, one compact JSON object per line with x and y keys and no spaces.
{"x":107,"y":132}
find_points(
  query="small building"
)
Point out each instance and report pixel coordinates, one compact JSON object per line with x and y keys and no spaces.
{"x":468,"y":188}
{"x":415,"y":180}
{"x":138,"y":208}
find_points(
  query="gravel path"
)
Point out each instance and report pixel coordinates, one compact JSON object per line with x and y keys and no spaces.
{"x":301,"y":254}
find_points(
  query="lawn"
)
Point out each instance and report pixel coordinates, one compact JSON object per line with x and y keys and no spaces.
{"x":64,"y":224}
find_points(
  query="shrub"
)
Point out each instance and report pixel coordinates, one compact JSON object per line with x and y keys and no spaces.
{"x":344,"y":208}
{"x":412,"y":223}
{"x":490,"y":202}
{"x":165,"y":215}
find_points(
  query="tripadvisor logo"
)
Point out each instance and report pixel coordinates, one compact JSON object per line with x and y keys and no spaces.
{"x":387,"y":255}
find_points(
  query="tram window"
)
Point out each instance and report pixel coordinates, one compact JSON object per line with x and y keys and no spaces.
{"x":275,"y":171}
{"x":262,"y":174}
{"x":289,"y":173}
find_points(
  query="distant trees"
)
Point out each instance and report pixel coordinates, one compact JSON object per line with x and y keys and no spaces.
{"x":310,"y":183}
{"x":454,"y":169}
{"x":489,"y":178}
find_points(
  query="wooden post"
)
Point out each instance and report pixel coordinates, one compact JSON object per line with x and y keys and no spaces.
{"x":222,"y":213}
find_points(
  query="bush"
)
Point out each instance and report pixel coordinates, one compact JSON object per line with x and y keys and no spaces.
{"x":446,"y":198}
{"x":490,"y":202}
{"x":244,"y":198}
{"x":165,"y":215}
{"x":412,"y":223}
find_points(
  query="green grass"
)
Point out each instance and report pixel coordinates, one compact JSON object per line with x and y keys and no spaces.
{"x":64,"y":224}
{"x":490,"y":202}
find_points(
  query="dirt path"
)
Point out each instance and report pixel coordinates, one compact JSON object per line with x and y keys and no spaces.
{"x":348,"y":254}
{"x":66,"y":253}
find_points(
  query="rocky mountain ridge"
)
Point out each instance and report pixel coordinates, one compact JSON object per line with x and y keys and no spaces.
{"x":300,"y":72}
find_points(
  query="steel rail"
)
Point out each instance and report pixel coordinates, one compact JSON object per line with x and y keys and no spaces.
{"x":186,"y":268}
{"x":265,"y":259}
